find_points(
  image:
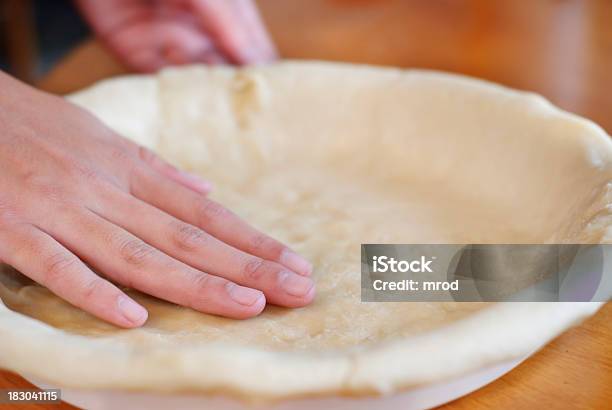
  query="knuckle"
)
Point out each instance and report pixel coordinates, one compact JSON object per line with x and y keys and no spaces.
{"x":254,"y":268}
{"x":202,"y":282}
{"x":86,"y":175}
{"x":135,"y":252}
{"x":203,"y":290}
{"x":153,"y":160}
{"x":211,"y":211}
{"x":126,"y":161}
{"x":187,"y":237}
{"x":51,"y":192}
{"x":93,"y":289}
{"x":54,"y":191}
{"x":261,"y":243}
{"x":146,"y":155}
{"x":57,"y":267}
{"x":95,"y":180}
{"x":121,"y":155}
{"x":85,"y":172}
{"x":257,"y":241}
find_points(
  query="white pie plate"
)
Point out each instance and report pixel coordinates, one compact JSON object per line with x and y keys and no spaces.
{"x":420,"y":398}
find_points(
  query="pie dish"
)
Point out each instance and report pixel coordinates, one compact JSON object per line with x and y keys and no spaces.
{"x":326,"y":157}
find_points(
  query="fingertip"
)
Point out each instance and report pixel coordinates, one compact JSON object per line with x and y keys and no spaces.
{"x":295,"y":262}
{"x":133,"y":314}
{"x":258,"y":306}
{"x":299,"y":291}
{"x":250,"y":302}
{"x":294,"y":302}
{"x":251,"y":311}
{"x":310,"y":296}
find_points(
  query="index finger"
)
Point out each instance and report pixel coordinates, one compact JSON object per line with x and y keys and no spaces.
{"x":213,"y":218}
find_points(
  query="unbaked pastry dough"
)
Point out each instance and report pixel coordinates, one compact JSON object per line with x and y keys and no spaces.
{"x":326,"y":157}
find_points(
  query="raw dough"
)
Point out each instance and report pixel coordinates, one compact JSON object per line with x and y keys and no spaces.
{"x":326,"y":157}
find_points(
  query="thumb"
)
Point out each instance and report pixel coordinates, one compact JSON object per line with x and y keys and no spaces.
{"x":237,"y":29}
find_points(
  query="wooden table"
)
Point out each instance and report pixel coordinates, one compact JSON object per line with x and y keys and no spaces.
{"x":561,"y":49}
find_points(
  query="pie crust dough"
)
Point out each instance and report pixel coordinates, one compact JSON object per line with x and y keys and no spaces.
{"x":326,"y":157}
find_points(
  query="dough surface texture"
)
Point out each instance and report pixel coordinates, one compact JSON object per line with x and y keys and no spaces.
{"x":326,"y":157}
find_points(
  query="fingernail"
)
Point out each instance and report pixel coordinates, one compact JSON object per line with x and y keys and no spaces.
{"x":242,"y":295}
{"x":197,"y":183}
{"x":295,"y":285}
{"x":131,"y":310}
{"x":296,"y":263}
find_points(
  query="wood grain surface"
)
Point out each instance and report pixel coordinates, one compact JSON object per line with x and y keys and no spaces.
{"x":559,"y":48}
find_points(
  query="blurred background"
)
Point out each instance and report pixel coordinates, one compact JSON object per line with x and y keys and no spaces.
{"x":35,"y":34}
{"x":561,"y":49}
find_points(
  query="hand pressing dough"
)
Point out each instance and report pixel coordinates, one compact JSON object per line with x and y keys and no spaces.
{"x":326,"y":157}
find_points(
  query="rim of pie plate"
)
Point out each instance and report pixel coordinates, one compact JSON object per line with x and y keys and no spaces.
{"x":500,"y":332}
